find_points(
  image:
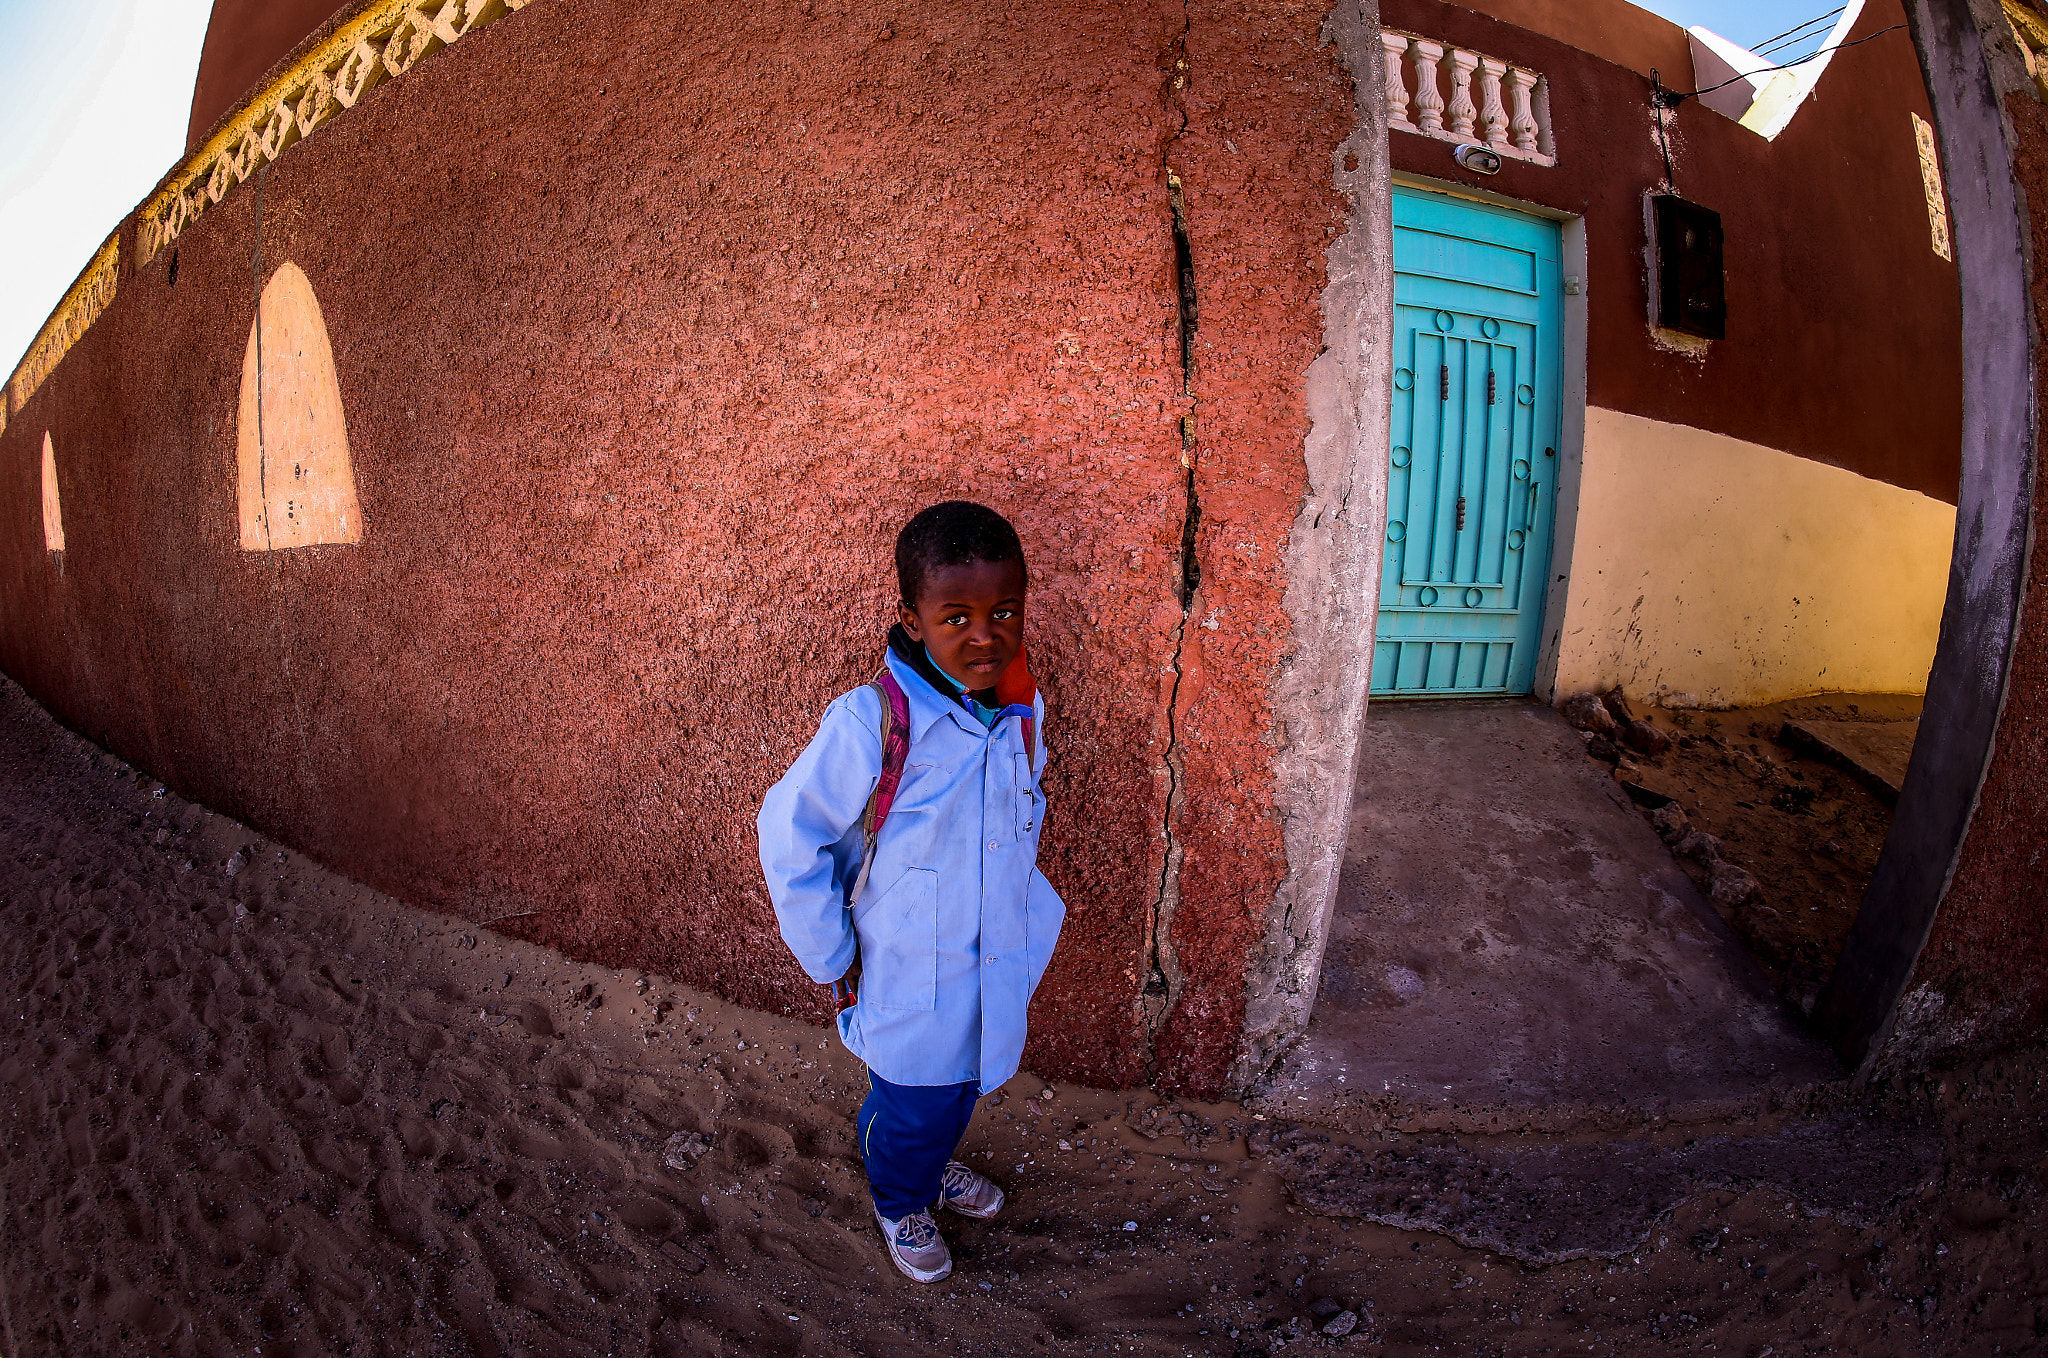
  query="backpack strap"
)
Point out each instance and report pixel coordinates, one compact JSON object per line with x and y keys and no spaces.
{"x":895,"y":751}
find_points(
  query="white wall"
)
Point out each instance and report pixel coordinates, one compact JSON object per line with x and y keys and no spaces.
{"x":1736,"y":574}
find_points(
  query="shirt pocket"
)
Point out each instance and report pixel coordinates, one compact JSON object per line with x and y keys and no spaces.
{"x":1030,"y":806}
{"x":899,"y":943}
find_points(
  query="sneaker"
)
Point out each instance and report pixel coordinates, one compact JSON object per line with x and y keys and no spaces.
{"x":971,"y":1195}
{"x":915,"y":1247}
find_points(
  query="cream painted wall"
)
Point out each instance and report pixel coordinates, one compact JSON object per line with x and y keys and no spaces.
{"x":1736,"y":574}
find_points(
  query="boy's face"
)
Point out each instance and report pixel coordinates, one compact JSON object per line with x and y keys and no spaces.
{"x":971,"y":619}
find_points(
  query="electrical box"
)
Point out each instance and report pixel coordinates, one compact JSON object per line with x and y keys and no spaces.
{"x":1691,"y":292}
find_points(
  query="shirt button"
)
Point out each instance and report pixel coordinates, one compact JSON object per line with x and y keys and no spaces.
{"x":991,"y":846}
{"x":990,"y":960}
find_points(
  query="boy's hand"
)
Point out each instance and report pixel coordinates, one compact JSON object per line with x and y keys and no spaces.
{"x":846,"y":990}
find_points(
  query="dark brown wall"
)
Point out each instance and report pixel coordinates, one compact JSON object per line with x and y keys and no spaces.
{"x":244,"y":39}
{"x":1842,"y":322}
{"x":646,"y":352}
{"x":1614,"y":30}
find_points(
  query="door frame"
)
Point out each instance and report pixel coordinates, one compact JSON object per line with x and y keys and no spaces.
{"x":1571,"y":434}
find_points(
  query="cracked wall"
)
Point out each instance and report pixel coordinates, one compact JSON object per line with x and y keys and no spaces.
{"x":1271,"y":681}
{"x":1332,"y":564}
{"x":635,"y":407}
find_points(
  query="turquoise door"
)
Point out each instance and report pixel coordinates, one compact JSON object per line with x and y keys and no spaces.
{"x":1472,"y":489}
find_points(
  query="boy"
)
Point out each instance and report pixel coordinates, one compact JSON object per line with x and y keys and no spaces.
{"x":952,"y":924}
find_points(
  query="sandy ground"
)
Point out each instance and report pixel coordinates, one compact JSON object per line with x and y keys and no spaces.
{"x":251,"y":1107}
{"x":1808,"y":832}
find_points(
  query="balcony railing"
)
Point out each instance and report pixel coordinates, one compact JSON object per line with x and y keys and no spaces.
{"x":1492,"y":103}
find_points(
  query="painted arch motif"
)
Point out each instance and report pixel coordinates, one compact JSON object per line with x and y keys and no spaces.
{"x":296,"y":484}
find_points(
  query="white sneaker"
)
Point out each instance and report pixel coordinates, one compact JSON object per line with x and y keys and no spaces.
{"x":916,"y":1247}
{"x":971,"y":1195}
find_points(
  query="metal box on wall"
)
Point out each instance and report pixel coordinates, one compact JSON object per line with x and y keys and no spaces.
{"x":1690,"y":292}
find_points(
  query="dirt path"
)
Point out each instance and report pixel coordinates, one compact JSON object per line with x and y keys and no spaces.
{"x":254,"y":1108}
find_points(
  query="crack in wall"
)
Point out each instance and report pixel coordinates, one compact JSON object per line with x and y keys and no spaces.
{"x":284,"y":650}
{"x":1333,"y":565}
{"x":1163,"y":976}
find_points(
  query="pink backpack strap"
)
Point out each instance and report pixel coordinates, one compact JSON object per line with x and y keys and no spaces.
{"x":895,"y":752}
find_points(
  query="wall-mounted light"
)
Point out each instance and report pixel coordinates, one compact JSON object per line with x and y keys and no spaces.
{"x":1477,"y":159}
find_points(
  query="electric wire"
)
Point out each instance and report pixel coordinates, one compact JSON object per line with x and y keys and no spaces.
{"x":1663,"y":112}
{"x":1784,"y":39}
{"x":1673,"y":98}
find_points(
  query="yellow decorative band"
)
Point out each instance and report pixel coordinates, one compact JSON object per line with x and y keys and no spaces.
{"x":81,"y":306}
{"x":386,"y":38}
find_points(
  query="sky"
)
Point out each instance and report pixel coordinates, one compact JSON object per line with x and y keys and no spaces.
{"x":94,"y":97}
{"x":1747,"y":22}
{"x":95,"y":94}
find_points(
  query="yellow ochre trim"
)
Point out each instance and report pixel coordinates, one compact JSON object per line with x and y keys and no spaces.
{"x":2030,"y":33}
{"x":386,"y":38}
{"x":82,"y":305}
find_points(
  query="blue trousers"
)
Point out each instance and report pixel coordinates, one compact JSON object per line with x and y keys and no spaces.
{"x":907,"y":1134}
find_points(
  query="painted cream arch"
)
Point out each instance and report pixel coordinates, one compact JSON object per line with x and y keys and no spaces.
{"x":53,"y":513}
{"x":295,"y":485}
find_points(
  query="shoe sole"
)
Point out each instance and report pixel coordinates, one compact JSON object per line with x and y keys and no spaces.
{"x":906,"y":1270}
{"x":1001,"y":1199}
{"x":915,"y":1277}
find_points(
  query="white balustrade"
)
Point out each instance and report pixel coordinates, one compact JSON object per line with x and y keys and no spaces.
{"x":1508,"y":112}
{"x":1396,"y":47}
{"x":1429,"y":101}
{"x":1493,"y":114}
{"x":1462,"y":110}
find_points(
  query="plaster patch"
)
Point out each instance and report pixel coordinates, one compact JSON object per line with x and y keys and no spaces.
{"x":1333,"y":567}
{"x":1735,"y":574}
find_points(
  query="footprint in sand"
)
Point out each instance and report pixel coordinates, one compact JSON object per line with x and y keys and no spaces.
{"x":422,"y":1140}
{"x":643,"y":1213}
{"x":326,"y":1153}
{"x":533,"y":1017}
{"x":250,"y":1227}
{"x":396,"y":1205}
{"x":142,"y":1313}
{"x":77,"y":1141}
{"x":425,"y":1042}
{"x":745,"y":1147}
{"x":569,"y":1074}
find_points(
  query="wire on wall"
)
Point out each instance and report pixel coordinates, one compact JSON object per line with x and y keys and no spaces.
{"x":1673,"y":98}
{"x":1666,"y":101}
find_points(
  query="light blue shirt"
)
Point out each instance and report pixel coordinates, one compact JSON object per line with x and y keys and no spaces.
{"x":957,"y":924}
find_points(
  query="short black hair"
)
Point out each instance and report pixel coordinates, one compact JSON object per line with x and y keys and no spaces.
{"x":952,"y":533}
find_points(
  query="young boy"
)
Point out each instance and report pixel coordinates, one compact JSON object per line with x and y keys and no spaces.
{"x":953,"y":924}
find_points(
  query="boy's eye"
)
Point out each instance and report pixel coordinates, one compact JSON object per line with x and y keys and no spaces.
{"x":1002,"y":613}
{"x":956,"y":620}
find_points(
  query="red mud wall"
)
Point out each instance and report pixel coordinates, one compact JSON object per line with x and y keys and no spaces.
{"x":1839,"y":312}
{"x":1265,"y":111}
{"x":653,"y":322}
{"x":1982,"y":978}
